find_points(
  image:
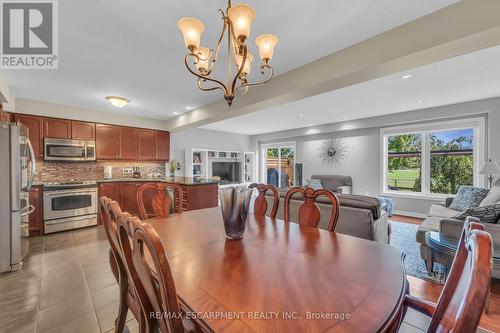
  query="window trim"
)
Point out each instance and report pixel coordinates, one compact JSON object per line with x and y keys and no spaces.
{"x":478,"y":124}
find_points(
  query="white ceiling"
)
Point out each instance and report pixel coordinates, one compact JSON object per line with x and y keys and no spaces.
{"x":465,"y":78}
{"x":133,"y":48}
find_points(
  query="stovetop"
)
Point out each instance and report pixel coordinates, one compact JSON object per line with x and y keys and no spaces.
{"x":69,"y":185}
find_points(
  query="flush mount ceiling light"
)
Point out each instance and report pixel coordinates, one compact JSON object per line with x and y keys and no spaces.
{"x":406,"y":77}
{"x":236,"y":23}
{"x":118,"y":101}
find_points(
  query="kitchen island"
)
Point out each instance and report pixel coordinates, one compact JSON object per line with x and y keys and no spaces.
{"x":198,"y":192}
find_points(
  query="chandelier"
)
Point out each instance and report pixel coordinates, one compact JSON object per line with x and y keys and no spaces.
{"x":237,"y":21}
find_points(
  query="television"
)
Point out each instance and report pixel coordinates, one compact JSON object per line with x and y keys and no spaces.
{"x":229,"y":172}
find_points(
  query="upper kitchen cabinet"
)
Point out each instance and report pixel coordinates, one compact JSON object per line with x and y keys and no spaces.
{"x":57,"y":128}
{"x":162,"y":145}
{"x":146,"y":144}
{"x":107,"y":142}
{"x":35,"y":128}
{"x":128,"y":143}
{"x":82,"y":130}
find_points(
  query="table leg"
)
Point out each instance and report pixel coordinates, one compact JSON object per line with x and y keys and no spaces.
{"x":429,"y":262}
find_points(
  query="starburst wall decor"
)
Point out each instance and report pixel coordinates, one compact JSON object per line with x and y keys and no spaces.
{"x":332,"y":151}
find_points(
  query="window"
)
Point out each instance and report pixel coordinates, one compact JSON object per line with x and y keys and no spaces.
{"x":432,"y":160}
{"x":279,"y":164}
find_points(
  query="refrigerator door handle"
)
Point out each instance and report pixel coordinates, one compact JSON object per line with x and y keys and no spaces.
{"x":33,"y":166}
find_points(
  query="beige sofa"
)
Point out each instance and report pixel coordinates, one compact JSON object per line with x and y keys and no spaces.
{"x":441,"y":219}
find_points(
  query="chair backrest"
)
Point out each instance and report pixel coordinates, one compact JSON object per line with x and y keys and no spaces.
{"x":109,"y":211}
{"x":156,"y":276}
{"x":464,"y":295}
{"x":309,"y":213}
{"x":260,"y":204}
{"x":160,"y":200}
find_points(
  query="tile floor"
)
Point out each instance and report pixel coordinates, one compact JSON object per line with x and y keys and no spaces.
{"x":65,"y":285}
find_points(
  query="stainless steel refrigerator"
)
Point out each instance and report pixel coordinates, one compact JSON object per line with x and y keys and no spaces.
{"x":17,"y":169}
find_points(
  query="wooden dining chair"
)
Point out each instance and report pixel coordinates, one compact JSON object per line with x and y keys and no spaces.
{"x":466,"y":290}
{"x":109,"y":211}
{"x":160,"y":200}
{"x":309,"y":213}
{"x":260,"y":204}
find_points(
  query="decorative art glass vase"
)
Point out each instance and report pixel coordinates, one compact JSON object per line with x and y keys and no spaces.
{"x":235,"y":203}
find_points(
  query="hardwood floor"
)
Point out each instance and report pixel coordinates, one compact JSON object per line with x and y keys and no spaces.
{"x":430,"y":291}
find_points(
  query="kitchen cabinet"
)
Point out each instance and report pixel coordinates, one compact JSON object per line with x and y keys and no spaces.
{"x":82,"y":130}
{"x":35,"y":128}
{"x":57,"y":128}
{"x":199,"y":196}
{"x":162,"y":145}
{"x":108,"y":190}
{"x":128,"y":197}
{"x":107,"y":142}
{"x":146,"y":144}
{"x":128,"y":143}
{"x":35,"y":218}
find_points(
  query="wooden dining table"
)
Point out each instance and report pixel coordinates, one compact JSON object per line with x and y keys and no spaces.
{"x":281,"y":277}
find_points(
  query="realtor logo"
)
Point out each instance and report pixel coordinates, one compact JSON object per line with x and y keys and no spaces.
{"x":29,"y":34}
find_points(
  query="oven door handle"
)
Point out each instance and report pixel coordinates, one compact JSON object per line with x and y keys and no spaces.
{"x":65,"y":193}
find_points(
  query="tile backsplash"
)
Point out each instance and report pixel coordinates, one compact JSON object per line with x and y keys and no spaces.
{"x":79,"y":171}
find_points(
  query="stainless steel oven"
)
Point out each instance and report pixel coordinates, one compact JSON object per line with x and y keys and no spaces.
{"x":69,"y":206}
{"x":69,"y":150}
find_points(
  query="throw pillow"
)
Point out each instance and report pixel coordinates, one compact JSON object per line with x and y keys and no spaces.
{"x":468,"y":197}
{"x":315,"y":184}
{"x":492,"y":198}
{"x":487,"y":214}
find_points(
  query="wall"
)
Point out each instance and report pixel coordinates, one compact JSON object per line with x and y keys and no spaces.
{"x":81,"y":171}
{"x":205,"y":139}
{"x":40,"y":108}
{"x":362,"y":140}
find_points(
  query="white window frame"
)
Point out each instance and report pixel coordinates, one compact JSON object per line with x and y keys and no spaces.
{"x":263,"y":154}
{"x":478,"y":126}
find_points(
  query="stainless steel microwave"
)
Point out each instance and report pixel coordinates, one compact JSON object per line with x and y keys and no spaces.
{"x":69,"y":150}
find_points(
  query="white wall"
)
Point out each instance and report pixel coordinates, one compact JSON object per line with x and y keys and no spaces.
{"x":362,"y":140}
{"x":205,"y":139}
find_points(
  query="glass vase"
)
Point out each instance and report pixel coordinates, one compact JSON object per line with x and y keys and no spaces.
{"x":235,"y":203}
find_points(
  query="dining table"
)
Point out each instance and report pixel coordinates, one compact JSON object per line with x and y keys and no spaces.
{"x":281,"y":277}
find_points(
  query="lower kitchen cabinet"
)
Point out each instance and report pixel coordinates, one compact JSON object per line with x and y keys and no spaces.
{"x":35,"y":218}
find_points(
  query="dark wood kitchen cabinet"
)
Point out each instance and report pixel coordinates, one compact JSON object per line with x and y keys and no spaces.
{"x":35,"y":128}
{"x":81,"y":130}
{"x":128,"y":143}
{"x":35,"y":218}
{"x":107,"y":142}
{"x":162,"y":145}
{"x":128,"y":197}
{"x":57,"y":128}
{"x":146,"y":144}
{"x":108,"y":190}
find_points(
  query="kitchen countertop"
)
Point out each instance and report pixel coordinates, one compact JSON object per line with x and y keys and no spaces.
{"x":177,"y":180}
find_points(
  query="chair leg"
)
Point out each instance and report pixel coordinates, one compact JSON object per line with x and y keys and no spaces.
{"x":122,"y":312}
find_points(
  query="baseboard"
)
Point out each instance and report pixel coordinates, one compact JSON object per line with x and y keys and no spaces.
{"x":411,"y":214}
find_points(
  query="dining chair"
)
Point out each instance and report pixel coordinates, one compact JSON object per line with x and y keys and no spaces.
{"x":466,"y":290}
{"x":309,"y":213}
{"x":109,"y":211}
{"x":160,"y":200}
{"x":260,"y":204}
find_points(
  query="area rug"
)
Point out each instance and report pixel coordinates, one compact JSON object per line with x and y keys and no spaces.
{"x":403,"y":236}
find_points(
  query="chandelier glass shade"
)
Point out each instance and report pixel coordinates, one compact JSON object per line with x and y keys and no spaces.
{"x":200,"y":61}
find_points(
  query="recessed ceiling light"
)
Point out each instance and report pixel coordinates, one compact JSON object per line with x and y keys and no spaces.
{"x":176,"y":113}
{"x":118,"y":101}
{"x":420,"y":102}
{"x":301,"y":115}
{"x":406,"y":77}
{"x":189,"y":107}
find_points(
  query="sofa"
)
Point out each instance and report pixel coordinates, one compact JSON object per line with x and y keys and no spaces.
{"x":336,"y":183}
{"x":442,"y":219}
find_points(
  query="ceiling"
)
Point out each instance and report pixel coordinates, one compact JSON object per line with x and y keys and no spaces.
{"x":133,"y":48}
{"x":465,"y":78}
